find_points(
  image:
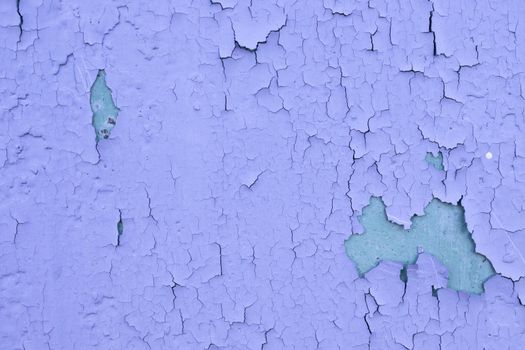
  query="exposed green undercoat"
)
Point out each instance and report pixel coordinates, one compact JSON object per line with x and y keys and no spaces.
{"x":104,"y":110}
{"x":435,"y":161}
{"x":442,"y":232}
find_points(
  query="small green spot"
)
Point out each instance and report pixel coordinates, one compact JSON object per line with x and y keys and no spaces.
{"x":435,"y":161}
{"x":104,"y":110}
{"x":403,"y":276}
{"x":120,"y":228}
{"x":442,"y":232}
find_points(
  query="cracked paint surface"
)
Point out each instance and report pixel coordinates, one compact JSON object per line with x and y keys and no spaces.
{"x":251,"y":137}
{"x":441,"y":231}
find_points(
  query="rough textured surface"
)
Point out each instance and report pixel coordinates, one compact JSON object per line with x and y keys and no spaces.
{"x":250,"y":136}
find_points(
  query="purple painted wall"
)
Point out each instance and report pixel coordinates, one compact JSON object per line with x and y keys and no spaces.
{"x":250,"y":135}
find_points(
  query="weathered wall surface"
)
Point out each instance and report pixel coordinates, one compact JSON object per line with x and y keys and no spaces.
{"x":250,"y":135}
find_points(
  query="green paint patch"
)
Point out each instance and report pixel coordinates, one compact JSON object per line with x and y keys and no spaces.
{"x":104,"y":110}
{"x":435,"y":161}
{"x":441,"y":231}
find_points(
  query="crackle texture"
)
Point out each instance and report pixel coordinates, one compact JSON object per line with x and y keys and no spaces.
{"x":250,"y":136}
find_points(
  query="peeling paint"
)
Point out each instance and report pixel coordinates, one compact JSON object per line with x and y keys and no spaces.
{"x":257,"y":133}
{"x":104,"y":110}
{"x":441,"y":231}
{"x":435,"y":161}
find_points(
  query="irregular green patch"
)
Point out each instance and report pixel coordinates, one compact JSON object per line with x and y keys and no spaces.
{"x":442,"y":232}
{"x":104,"y":110}
{"x":435,"y":161}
